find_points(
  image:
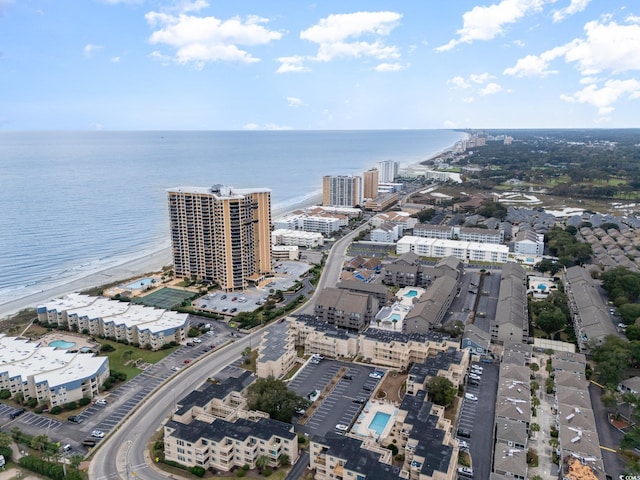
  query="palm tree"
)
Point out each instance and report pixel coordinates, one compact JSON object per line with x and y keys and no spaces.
{"x":261,"y":462}
{"x":39,"y":442}
{"x":534,"y":428}
{"x":284,"y":460}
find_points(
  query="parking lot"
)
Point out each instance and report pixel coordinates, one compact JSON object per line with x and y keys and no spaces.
{"x":286,"y":273}
{"x":343,"y":403}
{"x":477,"y":419}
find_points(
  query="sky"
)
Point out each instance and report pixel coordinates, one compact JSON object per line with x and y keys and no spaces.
{"x":324,"y":65}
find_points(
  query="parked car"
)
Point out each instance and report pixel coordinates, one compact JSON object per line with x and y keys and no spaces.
{"x":233,"y":310}
{"x":197,"y":340}
{"x":342,"y":427}
{"x":348,"y":377}
{"x":464,"y":433}
{"x":97,"y":434}
{"x":66,"y":448}
{"x":359,"y":401}
{"x":470,"y":396}
{"x":367,"y":388}
{"x":463,"y":444}
{"x":101,"y":401}
{"x":475,"y":376}
{"x":465,"y":472}
{"x":74,"y":419}
{"x":17,"y":413}
{"x":90,"y":442}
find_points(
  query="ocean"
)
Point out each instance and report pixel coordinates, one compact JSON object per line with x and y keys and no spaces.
{"x":72,"y":203}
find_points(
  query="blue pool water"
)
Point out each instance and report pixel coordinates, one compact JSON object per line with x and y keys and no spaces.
{"x":394,"y":316}
{"x":139,"y":284}
{"x":61,"y":344}
{"x":379,"y":422}
{"x":411,"y":293}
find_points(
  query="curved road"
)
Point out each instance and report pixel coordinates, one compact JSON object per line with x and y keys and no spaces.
{"x":124,"y":453}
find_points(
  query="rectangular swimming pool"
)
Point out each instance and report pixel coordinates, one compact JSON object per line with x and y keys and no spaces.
{"x":379,"y":422}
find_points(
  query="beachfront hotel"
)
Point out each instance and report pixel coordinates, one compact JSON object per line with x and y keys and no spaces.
{"x":221,"y":234}
{"x":370,"y":181}
{"x":342,"y":190}
{"x":53,"y":376}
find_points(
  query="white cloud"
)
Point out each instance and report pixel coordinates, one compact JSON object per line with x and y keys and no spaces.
{"x":486,"y":23}
{"x":576,"y":6}
{"x":199,"y":40}
{"x":480,"y":78}
{"x":336,"y":35}
{"x":458,"y":82}
{"x":604,"y":98}
{"x":530,"y":66}
{"x":266,"y":126}
{"x":606,"y":47}
{"x":115,"y":59}
{"x":90,"y":48}
{"x":491,"y":89}
{"x":292,"y":64}
{"x":588,"y":80}
{"x":633,"y":19}
{"x":389,"y":67}
{"x":294,"y":102}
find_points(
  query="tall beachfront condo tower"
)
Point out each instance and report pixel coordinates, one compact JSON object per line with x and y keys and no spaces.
{"x":388,"y":171}
{"x":221,"y":234}
{"x":370,"y":180}
{"x":342,"y":190}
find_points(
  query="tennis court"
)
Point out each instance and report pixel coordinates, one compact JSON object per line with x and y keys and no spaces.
{"x":166,"y":298}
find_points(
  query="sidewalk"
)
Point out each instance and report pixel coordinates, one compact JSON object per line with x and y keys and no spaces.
{"x":17,"y":473}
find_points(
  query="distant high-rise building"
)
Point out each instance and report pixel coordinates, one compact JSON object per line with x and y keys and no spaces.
{"x":342,"y":190}
{"x":370,"y":180}
{"x":388,"y":171}
{"x":221,"y":234}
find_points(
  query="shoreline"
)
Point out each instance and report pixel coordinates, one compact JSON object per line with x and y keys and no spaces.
{"x":147,"y":263}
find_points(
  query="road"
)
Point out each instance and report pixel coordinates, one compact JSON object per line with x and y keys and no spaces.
{"x":124,"y":453}
{"x":332,"y":268}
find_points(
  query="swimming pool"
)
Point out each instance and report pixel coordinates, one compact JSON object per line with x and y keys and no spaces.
{"x":393,"y":316}
{"x":379,"y":422}
{"x":63,"y":344}
{"x":145,"y":282}
{"x":411,"y":293}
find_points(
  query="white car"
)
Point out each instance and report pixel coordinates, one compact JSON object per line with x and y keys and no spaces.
{"x":471,"y":396}
{"x":97,"y":434}
{"x":464,"y":445}
{"x":197,"y":340}
{"x":465,"y":471}
{"x":474,"y":376}
{"x":101,"y":401}
{"x":342,"y":427}
{"x":477,"y":367}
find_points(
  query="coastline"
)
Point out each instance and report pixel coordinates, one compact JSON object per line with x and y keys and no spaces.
{"x":147,"y":263}
{"x":150,"y":262}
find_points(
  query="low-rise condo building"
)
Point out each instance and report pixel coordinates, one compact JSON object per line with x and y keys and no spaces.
{"x":51,"y":375}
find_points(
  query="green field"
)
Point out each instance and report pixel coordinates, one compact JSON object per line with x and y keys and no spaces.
{"x":167,"y":298}
{"x":122,"y":359}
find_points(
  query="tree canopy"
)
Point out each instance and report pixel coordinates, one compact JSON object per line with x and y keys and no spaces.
{"x":622,"y":285}
{"x":441,"y":390}
{"x":272,"y":396}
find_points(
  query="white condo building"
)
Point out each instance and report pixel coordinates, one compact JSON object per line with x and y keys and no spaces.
{"x":465,"y":251}
{"x":387,"y":171}
{"x":297,"y":238}
{"x":137,"y":324}
{"x":51,"y":375}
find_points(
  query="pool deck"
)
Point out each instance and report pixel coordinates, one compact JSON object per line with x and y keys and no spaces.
{"x":361,"y":425}
{"x":80,"y":341}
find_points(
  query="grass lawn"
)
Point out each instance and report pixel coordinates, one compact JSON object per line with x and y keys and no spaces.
{"x":127,"y":353}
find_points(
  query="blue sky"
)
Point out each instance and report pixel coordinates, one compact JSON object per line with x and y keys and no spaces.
{"x":291,"y":64}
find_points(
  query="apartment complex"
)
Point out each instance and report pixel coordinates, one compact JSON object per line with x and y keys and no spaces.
{"x":147,"y":327}
{"x":221,"y":234}
{"x":512,"y":322}
{"x":465,"y":251}
{"x":342,"y":190}
{"x":370,"y":181}
{"x":465,"y":234}
{"x":211,"y":428}
{"x":51,"y":375}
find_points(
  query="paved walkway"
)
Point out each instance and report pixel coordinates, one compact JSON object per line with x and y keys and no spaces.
{"x":17,"y":473}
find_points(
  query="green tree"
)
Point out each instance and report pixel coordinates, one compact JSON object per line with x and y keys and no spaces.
{"x":261,"y":462}
{"x":5,"y":440}
{"x":284,"y":460}
{"x":441,"y":390}
{"x":273,"y":397}
{"x":611,"y":357}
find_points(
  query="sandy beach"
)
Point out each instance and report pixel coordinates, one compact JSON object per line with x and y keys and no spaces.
{"x":149,"y":263}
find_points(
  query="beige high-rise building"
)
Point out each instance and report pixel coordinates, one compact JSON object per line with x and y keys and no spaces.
{"x":341,"y":190}
{"x":371,"y":184}
{"x":221,"y":234}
